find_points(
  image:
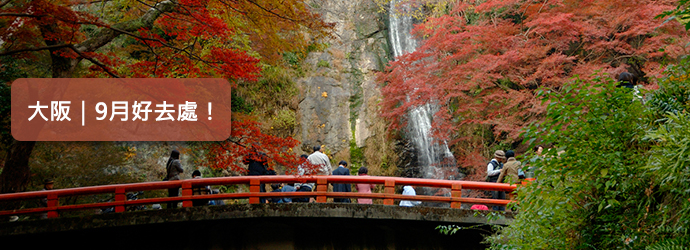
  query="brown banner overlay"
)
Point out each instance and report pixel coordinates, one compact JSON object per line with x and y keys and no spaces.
{"x":125,"y":109}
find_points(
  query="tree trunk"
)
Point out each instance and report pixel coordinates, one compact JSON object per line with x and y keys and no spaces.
{"x":15,"y":175}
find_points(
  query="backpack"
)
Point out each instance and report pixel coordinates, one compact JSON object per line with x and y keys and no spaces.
{"x":493,"y":163}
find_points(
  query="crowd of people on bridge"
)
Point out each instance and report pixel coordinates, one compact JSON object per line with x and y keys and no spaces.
{"x":502,"y":168}
{"x":317,"y":163}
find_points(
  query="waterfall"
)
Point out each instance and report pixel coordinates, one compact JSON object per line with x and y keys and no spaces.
{"x":400,"y":28}
{"x":432,"y":157}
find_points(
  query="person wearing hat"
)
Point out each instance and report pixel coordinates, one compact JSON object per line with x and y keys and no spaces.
{"x":510,"y":172}
{"x":342,"y":187}
{"x":493,"y":169}
{"x":47,"y":185}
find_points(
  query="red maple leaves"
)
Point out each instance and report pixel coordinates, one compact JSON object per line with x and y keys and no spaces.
{"x":189,"y":38}
{"x":482,"y":63}
{"x":172,"y":39}
{"x":246,"y":140}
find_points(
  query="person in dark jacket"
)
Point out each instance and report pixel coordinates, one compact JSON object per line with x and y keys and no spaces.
{"x":257,"y":165}
{"x":199,"y":190}
{"x":341,"y":187}
{"x":493,"y":171}
{"x":173,"y":170}
{"x":277,"y":187}
{"x":47,"y":185}
{"x":626,"y":80}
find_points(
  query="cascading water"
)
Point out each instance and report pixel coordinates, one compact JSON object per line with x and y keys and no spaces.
{"x":400,"y":28}
{"x":433,"y":158}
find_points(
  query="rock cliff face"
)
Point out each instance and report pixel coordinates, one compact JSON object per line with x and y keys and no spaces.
{"x":338,"y":95}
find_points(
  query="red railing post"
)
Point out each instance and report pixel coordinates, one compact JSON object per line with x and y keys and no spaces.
{"x":456,"y":192}
{"x":53,"y":202}
{"x":321,"y":188}
{"x":120,"y":196}
{"x":187,"y":193}
{"x":389,"y":188}
{"x":254,"y":188}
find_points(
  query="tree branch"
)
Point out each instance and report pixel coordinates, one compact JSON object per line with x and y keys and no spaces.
{"x":164,"y":43}
{"x":58,"y":46}
{"x":4,"y":3}
{"x":96,"y":62}
{"x":87,"y":2}
{"x":105,"y":35}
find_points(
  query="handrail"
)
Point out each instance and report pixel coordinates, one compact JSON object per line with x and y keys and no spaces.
{"x":320,"y":193}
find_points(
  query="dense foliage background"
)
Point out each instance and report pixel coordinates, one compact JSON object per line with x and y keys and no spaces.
{"x":619,"y":180}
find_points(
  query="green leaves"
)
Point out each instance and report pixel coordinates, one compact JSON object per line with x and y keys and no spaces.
{"x":623,"y":173}
{"x":604,"y":172}
{"x":588,"y":183}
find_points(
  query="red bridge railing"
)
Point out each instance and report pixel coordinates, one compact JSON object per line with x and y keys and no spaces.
{"x":320,"y":193}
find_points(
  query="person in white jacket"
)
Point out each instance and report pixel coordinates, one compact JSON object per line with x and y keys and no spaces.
{"x":408,"y":190}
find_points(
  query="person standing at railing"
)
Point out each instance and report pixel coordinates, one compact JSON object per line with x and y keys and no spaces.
{"x":47,"y":185}
{"x":510,"y":170}
{"x":321,"y":160}
{"x":408,"y":190}
{"x":173,"y":170}
{"x":493,"y":171}
{"x":200,"y":190}
{"x":364,"y":187}
{"x":257,"y":165}
{"x":342,"y":187}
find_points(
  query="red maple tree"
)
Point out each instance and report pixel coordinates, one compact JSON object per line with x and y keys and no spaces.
{"x":145,"y":38}
{"x":483,"y":62}
{"x":245,"y":142}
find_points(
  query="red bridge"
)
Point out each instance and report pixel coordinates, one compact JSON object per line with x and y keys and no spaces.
{"x":321,"y":193}
{"x":259,"y":226}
